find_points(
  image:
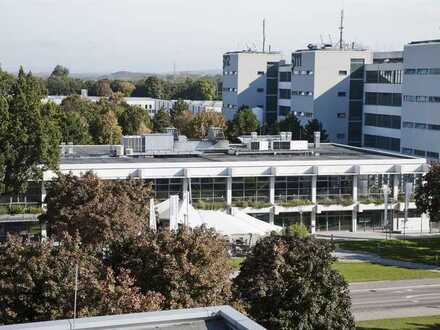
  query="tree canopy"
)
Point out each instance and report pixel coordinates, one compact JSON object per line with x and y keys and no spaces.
{"x":201,"y":122}
{"x":244,"y":122}
{"x":293,"y":125}
{"x":313,"y":126}
{"x":428,"y":194}
{"x":288,"y":283}
{"x":161,"y":121}
{"x":29,"y":134}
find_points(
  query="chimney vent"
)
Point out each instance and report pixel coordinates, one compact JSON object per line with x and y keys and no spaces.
{"x":317,"y":140}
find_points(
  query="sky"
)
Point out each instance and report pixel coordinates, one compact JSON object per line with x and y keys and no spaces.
{"x":103,"y":36}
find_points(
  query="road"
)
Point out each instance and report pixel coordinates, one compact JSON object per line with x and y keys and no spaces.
{"x":395,"y":299}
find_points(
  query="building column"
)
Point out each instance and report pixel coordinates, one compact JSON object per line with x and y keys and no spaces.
{"x":355,"y":188}
{"x":229,"y":191}
{"x":396,"y":180}
{"x":271,"y":217}
{"x":354,"y":220}
{"x":272,"y":190}
{"x":313,"y":221}
{"x":43,"y":192}
{"x":314,"y":180}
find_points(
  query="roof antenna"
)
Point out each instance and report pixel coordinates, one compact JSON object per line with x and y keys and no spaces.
{"x":264,"y":35}
{"x":341,"y":31}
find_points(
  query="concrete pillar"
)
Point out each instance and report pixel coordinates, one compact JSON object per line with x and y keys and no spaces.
{"x":229,"y":190}
{"x":313,"y":221}
{"x":314,"y":180}
{"x":355,"y":188}
{"x":43,"y":192}
{"x":271,"y":217}
{"x":354,"y":220}
{"x":272,"y":190}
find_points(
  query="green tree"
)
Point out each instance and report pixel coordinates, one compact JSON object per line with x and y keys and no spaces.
{"x":124,"y":87}
{"x":107,"y":129}
{"x":59,"y":82}
{"x":154,"y":87}
{"x":103,"y":88}
{"x":244,"y":122}
{"x":6,"y":82}
{"x":38,"y":279}
{"x":202,"y":121}
{"x":179,"y":108}
{"x":134,"y":120}
{"x":161,"y":121}
{"x":313,"y":126}
{"x":75,"y":129}
{"x":291,"y":124}
{"x":203,"y":89}
{"x":183,"y":123}
{"x":189,"y":268}
{"x":288,"y":283}
{"x":98,"y":211}
{"x":30,"y":135}
{"x":428,"y":194}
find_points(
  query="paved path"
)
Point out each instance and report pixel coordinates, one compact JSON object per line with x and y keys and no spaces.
{"x":352,"y":256}
{"x":369,"y":235}
{"x":395,"y":299}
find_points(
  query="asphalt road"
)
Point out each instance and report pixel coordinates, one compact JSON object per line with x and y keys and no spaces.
{"x":395,"y":299}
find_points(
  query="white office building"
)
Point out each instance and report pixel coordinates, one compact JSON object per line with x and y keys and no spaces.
{"x":244,"y":80}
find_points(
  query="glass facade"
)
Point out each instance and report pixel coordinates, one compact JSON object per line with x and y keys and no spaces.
{"x":370,"y":188}
{"x":288,"y":219}
{"x":334,"y":188}
{"x":164,"y":188}
{"x":334,"y":221}
{"x":381,"y":142}
{"x":251,"y":189}
{"x":208,"y":190}
{"x":378,"y":120}
{"x":385,"y":99}
{"x":357,"y":68}
{"x":372,"y":220}
{"x":384,"y":77}
{"x":293,"y":188}
{"x":271,"y":110}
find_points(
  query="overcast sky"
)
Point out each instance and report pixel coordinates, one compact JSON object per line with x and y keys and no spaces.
{"x":150,"y":35}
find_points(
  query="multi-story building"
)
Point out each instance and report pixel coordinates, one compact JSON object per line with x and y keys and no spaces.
{"x":383,"y":101}
{"x":421,"y":99}
{"x":327,"y":84}
{"x":284,"y":90}
{"x":245,"y":80}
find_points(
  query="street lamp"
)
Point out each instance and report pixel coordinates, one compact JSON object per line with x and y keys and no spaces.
{"x":408,"y":193}
{"x":386,"y":191}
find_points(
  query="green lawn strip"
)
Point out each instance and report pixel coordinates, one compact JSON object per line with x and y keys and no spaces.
{"x":411,"y":323}
{"x":235,"y":262}
{"x":425,"y":250}
{"x":366,"y":272}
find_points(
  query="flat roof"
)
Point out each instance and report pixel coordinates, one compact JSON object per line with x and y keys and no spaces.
{"x":327,"y":151}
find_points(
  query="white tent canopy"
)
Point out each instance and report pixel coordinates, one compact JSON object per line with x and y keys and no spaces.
{"x":226,"y":224}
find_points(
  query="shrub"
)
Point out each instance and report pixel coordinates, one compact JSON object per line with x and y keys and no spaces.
{"x":299,"y":230}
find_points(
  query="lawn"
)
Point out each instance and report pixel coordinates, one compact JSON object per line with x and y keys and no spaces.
{"x":366,"y":272}
{"x":235,"y":262}
{"x":411,"y":323}
{"x":426,"y":250}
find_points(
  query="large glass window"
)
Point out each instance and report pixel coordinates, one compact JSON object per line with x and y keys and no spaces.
{"x":334,"y":188}
{"x":370,"y":188}
{"x":415,"y":180}
{"x":385,"y":99}
{"x":251,"y":189}
{"x":288,"y":219}
{"x":208,"y":189}
{"x":285,"y":93}
{"x":378,"y":120}
{"x":285,"y":76}
{"x":334,"y":221}
{"x":381,"y":142}
{"x":293,"y":188}
{"x":164,"y":188}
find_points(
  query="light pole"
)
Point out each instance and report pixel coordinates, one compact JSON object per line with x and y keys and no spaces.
{"x":386,"y":191}
{"x":408,"y":192}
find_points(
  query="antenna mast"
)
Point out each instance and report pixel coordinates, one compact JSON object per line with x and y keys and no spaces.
{"x":341,"y":31}
{"x":264,"y":35}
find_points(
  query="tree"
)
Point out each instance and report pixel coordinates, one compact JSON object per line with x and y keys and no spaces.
{"x":108,"y":130}
{"x":183,"y":123}
{"x":154,"y":87}
{"x":37,"y":281}
{"x":189,"y":268}
{"x":30,"y":135}
{"x":288,"y":283}
{"x":178,"y":108}
{"x":124,"y":87}
{"x":75,"y":129}
{"x":6,"y":82}
{"x":428,"y":194}
{"x":313,"y":126}
{"x":134,"y":120}
{"x":59,"y":82}
{"x":291,"y":124}
{"x":203,"y":120}
{"x":244,"y":122}
{"x":203,"y":89}
{"x":103,"y":88}
{"x":98,"y":211}
{"x":161,"y":121}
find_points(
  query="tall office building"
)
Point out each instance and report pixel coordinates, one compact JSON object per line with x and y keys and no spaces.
{"x":245,"y":79}
{"x":327,"y":84}
{"x":421,"y":99}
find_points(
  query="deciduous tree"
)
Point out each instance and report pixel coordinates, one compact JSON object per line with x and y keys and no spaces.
{"x":428,"y":194}
{"x":203,"y":120}
{"x":99,"y":211}
{"x":161,"y":121}
{"x":134,"y":120}
{"x":313,"y":126}
{"x":288,"y":283}
{"x":244,"y":122}
{"x":291,"y":124}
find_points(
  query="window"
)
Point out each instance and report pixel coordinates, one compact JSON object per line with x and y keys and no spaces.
{"x":284,"y":94}
{"x":342,"y":94}
{"x":285,"y":76}
{"x":260,"y":90}
{"x":296,"y":59}
{"x":431,"y":154}
{"x":385,"y":99}
{"x":382,"y":142}
{"x":334,"y":187}
{"x":386,"y":121}
{"x":283,"y":110}
{"x":208,"y":189}
{"x":341,"y":115}
{"x":343,"y":72}
{"x":253,"y":189}
{"x":260,"y":73}
{"x":340,"y":136}
{"x":292,"y":188}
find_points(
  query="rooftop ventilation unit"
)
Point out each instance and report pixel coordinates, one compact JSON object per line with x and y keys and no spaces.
{"x":258,"y":145}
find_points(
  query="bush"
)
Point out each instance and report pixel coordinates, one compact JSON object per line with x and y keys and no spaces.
{"x":288,"y":283}
{"x":299,"y":230}
{"x":296,"y":202}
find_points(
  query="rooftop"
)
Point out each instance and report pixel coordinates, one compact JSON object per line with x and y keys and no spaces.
{"x":212,"y":318}
{"x":326,"y":151}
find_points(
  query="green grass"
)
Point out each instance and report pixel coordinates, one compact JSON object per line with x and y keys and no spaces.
{"x":366,"y":272}
{"x":235,"y":262}
{"x":411,"y":323}
{"x":426,"y":250}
